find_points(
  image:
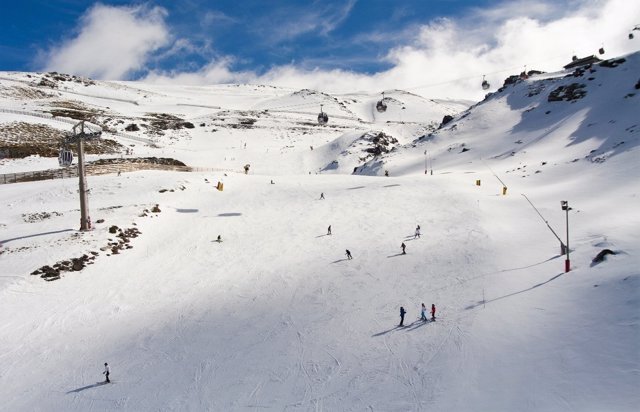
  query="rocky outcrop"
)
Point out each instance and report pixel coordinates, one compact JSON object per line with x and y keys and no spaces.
{"x":572,"y":92}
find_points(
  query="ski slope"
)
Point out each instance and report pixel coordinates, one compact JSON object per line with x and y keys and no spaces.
{"x":274,"y":317}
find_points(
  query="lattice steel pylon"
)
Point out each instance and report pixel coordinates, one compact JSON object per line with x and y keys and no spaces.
{"x":79,"y":134}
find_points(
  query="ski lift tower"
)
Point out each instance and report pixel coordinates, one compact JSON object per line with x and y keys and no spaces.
{"x":79,"y":135}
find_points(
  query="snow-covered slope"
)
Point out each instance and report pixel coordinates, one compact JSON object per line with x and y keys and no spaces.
{"x":274,"y":316}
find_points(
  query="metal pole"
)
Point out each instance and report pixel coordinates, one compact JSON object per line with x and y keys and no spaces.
{"x":84,"y":207}
{"x":567,"y":263}
{"x":425,"y":162}
{"x":562,"y":246}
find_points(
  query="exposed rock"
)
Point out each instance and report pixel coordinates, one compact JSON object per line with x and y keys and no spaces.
{"x":78,"y":264}
{"x":612,"y":62}
{"x":572,"y":92}
{"x":601,"y":256}
{"x":22,"y":139}
{"x":39,"y":216}
{"x":446,"y":119}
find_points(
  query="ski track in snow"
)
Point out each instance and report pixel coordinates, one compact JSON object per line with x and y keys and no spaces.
{"x":275,"y":316}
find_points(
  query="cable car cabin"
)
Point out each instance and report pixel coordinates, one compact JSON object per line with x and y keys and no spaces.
{"x":601,"y":50}
{"x":323,"y":118}
{"x":65,"y":157}
{"x":381,"y":106}
{"x":485,"y":84}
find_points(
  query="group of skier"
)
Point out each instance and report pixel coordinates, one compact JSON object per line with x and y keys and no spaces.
{"x":423,"y":310}
{"x":423,"y":314}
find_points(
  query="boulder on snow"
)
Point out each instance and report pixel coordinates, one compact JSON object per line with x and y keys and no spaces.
{"x":602,"y":255}
{"x":78,"y":264}
{"x":446,"y":119}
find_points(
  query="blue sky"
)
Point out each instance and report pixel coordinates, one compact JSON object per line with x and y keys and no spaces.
{"x":259,"y":33}
{"x":366,"y":44}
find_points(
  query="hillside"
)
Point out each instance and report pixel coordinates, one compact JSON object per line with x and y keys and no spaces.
{"x":275,"y":316}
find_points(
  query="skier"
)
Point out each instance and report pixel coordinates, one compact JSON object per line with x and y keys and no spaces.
{"x":433,"y":312}
{"x":423,"y":313}
{"x":219,"y":239}
{"x":403,"y":246}
{"x":106,"y":372}
{"x":329,"y":230}
{"x":349,"y":255}
{"x":402,"y":313}
{"x":322,"y":196}
{"x":417,"y":235}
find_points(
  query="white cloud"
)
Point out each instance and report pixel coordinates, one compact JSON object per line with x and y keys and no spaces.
{"x":212,"y":17}
{"x":446,"y":58}
{"x":287,"y":24}
{"x":111,"y":42}
{"x":215,"y":72}
{"x":443,"y":58}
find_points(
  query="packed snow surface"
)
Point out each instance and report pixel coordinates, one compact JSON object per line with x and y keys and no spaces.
{"x":274,"y":317}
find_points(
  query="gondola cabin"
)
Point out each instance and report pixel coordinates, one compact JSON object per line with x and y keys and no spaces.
{"x":485,"y":84}
{"x":65,"y":157}
{"x":381,"y":106}
{"x":323,"y":118}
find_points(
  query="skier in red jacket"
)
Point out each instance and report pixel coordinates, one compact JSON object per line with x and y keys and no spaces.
{"x":433,"y":312}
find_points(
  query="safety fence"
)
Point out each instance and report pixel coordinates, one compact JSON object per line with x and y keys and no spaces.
{"x":102,"y":169}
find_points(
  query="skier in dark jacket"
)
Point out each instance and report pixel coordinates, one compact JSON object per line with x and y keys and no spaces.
{"x":402,"y":313}
{"x":403,"y":246}
{"x":106,"y":372}
{"x":349,"y":255}
{"x":433,"y":312}
{"x":329,"y":230}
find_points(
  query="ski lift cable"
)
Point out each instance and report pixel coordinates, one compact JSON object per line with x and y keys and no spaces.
{"x":423,"y":86}
{"x":292,"y":106}
{"x":475,"y":76}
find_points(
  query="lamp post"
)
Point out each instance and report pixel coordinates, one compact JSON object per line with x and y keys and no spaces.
{"x":565,"y":206}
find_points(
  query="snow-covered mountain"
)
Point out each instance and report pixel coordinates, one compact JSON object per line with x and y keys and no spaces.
{"x":275,"y":316}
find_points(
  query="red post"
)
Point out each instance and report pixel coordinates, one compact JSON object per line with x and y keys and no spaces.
{"x":567,"y":265}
